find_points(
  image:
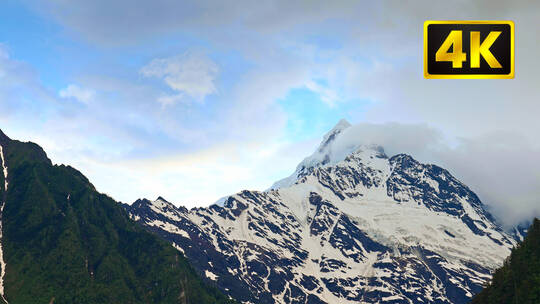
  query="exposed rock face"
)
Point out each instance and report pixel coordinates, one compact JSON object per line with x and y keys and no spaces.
{"x":366,"y":228}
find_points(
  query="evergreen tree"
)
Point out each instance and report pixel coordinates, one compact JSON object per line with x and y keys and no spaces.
{"x":518,"y":280}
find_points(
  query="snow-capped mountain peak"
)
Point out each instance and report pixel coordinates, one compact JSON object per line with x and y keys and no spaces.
{"x":351,"y":225}
{"x":331,"y":150}
{"x":333,"y":133}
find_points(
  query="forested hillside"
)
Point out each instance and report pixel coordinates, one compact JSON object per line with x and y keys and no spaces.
{"x":63,"y":242}
{"x":518,"y":281}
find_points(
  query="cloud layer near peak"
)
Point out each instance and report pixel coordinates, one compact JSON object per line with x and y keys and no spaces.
{"x":501,"y":167}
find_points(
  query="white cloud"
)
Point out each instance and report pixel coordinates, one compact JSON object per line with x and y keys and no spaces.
{"x":76,"y":92}
{"x":501,"y":167}
{"x":169,"y":100}
{"x":329,"y":96}
{"x":191,"y":73}
{"x":373,"y":53}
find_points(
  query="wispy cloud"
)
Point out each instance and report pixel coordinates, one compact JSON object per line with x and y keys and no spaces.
{"x":327,"y":95}
{"x":191,"y":74}
{"x":74,"y":91}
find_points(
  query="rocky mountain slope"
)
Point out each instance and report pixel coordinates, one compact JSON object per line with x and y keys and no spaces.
{"x":63,"y":242}
{"x":350,"y":225}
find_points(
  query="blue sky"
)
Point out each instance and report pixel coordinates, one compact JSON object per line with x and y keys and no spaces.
{"x":197,"y":100}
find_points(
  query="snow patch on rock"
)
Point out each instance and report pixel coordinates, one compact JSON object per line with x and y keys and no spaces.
{"x":2,"y":261}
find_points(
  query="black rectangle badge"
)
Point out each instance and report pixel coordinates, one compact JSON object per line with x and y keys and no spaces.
{"x":468,"y":49}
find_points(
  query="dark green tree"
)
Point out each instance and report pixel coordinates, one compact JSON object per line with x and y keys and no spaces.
{"x":518,"y":280}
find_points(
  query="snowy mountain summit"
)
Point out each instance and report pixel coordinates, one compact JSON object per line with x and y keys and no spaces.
{"x":324,"y":155}
{"x":350,"y":225}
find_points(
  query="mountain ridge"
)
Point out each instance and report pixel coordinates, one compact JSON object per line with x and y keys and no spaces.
{"x":365,"y":227}
{"x":64,"y":242}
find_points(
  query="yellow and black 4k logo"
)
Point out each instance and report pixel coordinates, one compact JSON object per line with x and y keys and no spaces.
{"x":469,"y":49}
